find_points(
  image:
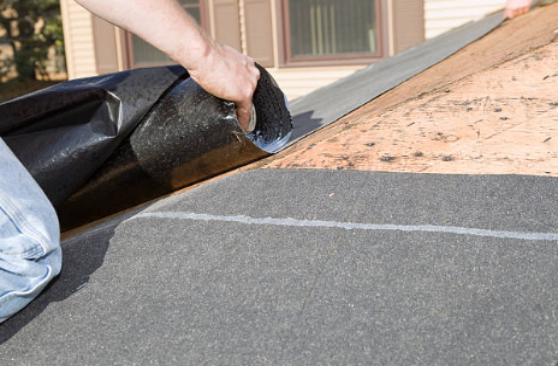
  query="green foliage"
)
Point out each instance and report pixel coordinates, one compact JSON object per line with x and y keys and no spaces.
{"x":31,"y":27}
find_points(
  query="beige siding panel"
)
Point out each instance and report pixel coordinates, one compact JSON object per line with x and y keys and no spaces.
{"x":444,"y":15}
{"x":258,"y":31}
{"x":297,"y":82}
{"x":408,"y":24}
{"x":242,"y":20}
{"x":85,"y":65}
{"x":105,"y":46}
{"x":224,"y":22}
{"x":84,"y":46}
{"x":79,"y":31}
{"x":78,"y":36}
{"x":79,"y":15}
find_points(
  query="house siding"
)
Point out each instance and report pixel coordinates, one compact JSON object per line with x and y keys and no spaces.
{"x":444,"y":15}
{"x":224,"y":22}
{"x":439,"y":16}
{"x":257,"y":31}
{"x":407,"y":23}
{"x":78,"y":37}
{"x":297,"y":82}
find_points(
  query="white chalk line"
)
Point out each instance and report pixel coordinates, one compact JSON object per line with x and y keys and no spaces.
{"x":290,"y":222}
{"x":90,"y":232}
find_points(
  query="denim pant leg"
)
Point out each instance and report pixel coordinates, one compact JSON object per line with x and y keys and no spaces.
{"x":30,"y":254}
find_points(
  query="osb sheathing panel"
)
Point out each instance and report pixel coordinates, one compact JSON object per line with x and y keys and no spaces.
{"x":488,"y":109}
{"x":503,"y":120}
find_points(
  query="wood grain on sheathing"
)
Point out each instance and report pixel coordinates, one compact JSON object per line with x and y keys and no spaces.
{"x":489,"y":109}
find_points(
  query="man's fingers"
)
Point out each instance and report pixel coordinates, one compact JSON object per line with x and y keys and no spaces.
{"x":508,"y":14}
{"x":511,"y":13}
{"x":243,"y":111}
{"x":244,"y":108}
{"x":231,"y":76}
{"x":257,"y":73}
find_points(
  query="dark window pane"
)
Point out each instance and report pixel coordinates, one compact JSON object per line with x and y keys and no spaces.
{"x":144,"y":53}
{"x":332,"y":27}
{"x":195,"y":13}
{"x":189,"y":2}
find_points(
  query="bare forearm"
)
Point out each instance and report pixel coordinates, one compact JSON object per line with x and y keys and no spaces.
{"x":218,"y":69}
{"x":162,"y":23}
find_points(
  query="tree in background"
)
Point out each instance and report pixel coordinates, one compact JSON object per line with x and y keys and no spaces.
{"x":31,"y":28}
{"x":5,"y":66}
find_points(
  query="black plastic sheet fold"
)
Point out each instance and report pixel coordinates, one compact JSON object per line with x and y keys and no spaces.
{"x":103,"y":144}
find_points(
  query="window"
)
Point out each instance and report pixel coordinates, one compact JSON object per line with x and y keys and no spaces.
{"x":143,"y":54}
{"x":331,"y":29}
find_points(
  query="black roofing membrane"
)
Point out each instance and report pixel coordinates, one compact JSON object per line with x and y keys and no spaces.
{"x":102,"y":144}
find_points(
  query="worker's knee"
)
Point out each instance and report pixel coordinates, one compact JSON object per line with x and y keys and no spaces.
{"x":30,"y":255}
{"x":21,"y":280}
{"x":28,"y":262}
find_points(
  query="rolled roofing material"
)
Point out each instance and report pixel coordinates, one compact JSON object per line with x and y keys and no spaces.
{"x":188,"y":136}
{"x":103,"y":144}
{"x":64,"y":134}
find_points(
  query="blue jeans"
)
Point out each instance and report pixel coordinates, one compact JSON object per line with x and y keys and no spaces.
{"x":30,"y":254}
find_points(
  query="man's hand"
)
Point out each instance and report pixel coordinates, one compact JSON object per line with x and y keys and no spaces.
{"x":218,"y":69}
{"x":229,"y":75}
{"x":515,"y":8}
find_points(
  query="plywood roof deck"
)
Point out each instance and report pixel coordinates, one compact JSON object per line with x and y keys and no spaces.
{"x":489,"y":109}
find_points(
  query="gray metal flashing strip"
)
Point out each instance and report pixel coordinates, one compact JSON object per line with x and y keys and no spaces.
{"x":328,"y":104}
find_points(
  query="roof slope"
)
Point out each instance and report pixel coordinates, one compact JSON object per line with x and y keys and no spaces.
{"x":298,"y":266}
{"x":490,"y":108}
{"x":310,"y":267}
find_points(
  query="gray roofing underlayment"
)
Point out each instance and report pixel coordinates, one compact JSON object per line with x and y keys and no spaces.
{"x":309,"y":267}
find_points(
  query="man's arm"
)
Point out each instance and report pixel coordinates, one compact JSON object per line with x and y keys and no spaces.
{"x":515,"y":8}
{"x":219,"y":69}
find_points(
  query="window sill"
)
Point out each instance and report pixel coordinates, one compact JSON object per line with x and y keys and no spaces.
{"x":330,"y":62}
